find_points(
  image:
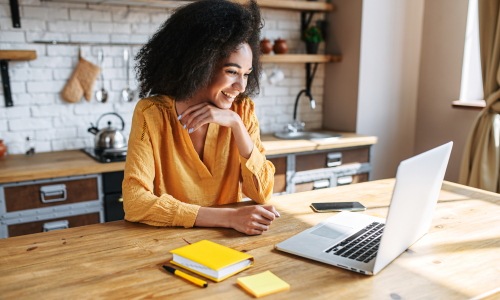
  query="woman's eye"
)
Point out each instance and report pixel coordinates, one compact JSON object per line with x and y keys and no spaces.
{"x":232,"y":72}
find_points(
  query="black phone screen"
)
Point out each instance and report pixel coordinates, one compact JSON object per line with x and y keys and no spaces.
{"x":334,"y":206}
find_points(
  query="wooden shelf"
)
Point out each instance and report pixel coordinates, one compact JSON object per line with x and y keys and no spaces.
{"x":279,"y":4}
{"x":17,"y":54}
{"x":301,"y":58}
{"x":470,"y":104}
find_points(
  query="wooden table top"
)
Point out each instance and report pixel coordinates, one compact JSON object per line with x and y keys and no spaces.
{"x":43,"y":165}
{"x":457,"y":259}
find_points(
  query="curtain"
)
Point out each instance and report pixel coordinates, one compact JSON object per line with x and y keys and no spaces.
{"x":481,"y":162}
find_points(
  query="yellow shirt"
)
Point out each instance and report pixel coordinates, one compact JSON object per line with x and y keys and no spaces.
{"x":166,"y":182}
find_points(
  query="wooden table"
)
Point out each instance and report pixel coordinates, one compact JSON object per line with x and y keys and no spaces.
{"x":458,"y":259}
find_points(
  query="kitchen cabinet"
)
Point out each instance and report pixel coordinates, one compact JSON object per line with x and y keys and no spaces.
{"x":32,"y":206}
{"x":77,"y":190}
{"x":305,"y":171}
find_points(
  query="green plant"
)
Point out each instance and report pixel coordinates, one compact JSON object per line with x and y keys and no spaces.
{"x":312,"y":34}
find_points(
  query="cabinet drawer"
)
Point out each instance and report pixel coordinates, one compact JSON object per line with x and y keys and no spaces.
{"x":345,"y":180}
{"x":319,"y":160}
{"x":36,"y":227}
{"x":24,"y":197}
{"x":279,"y":174}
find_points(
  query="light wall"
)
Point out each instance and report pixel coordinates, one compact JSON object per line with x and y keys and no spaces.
{"x":341,"y":79}
{"x":39,"y":110}
{"x":440,"y":76}
{"x":388,"y":79}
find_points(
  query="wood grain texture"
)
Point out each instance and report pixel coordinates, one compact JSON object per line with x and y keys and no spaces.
{"x":17,"y":54}
{"x":276,"y":146}
{"x":301,"y":58}
{"x":28,"y":196}
{"x":278,"y":4}
{"x":74,"y":162}
{"x":36,"y":227}
{"x":457,"y":259}
{"x":52,"y":164}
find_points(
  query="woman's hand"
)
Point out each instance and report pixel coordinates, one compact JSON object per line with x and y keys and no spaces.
{"x":198,"y":115}
{"x":253,"y":220}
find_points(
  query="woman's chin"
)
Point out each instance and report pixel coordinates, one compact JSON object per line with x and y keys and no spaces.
{"x":223,"y":104}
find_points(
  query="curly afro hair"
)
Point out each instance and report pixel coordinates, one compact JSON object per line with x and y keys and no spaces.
{"x":182,"y":56}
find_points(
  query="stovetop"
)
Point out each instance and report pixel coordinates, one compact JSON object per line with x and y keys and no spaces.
{"x":104,"y":156}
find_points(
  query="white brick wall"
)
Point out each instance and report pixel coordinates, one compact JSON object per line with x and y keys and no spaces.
{"x":39,"y":110}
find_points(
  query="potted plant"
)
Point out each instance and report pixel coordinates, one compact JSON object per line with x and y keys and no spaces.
{"x":312,"y":36}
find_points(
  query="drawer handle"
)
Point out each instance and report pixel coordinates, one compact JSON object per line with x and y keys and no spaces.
{"x":334,"y":159}
{"x":344,"y":180}
{"x":57,"y":225}
{"x":53,"y":190}
{"x":120,"y":199}
{"x":321,"y":184}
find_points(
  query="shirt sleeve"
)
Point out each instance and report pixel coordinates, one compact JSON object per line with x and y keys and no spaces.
{"x":256,"y":164}
{"x":139,"y":200}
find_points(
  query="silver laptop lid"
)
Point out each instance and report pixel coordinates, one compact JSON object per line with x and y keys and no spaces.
{"x":418,"y":182}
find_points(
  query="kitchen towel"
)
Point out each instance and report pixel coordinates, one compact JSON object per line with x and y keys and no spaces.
{"x":81,"y":82}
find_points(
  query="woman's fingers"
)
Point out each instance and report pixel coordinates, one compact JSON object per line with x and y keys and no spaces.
{"x":264,"y":212}
{"x":260,"y":227}
{"x":255,"y":232}
{"x":192,"y":109}
{"x":190,"y":121}
{"x":200,"y":121}
{"x":271,"y":209}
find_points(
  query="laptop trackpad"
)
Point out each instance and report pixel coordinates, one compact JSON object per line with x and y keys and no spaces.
{"x":331,"y":230}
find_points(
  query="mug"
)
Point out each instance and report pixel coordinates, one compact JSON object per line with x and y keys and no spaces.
{"x":276,"y":76}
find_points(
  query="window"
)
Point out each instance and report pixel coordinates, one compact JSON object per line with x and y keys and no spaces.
{"x":471,"y":88}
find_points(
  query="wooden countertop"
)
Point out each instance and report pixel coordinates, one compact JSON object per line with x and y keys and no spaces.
{"x":457,"y":259}
{"x":15,"y":168}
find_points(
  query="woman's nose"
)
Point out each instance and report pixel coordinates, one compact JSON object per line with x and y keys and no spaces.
{"x":240,"y":84}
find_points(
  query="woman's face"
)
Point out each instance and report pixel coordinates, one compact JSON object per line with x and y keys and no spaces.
{"x":231,"y":78}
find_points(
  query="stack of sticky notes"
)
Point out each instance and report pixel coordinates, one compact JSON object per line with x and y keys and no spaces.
{"x":263,"y":284}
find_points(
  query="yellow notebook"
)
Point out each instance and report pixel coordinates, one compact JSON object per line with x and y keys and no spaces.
{"x":211,"y":260}
{"x":263,"y":284}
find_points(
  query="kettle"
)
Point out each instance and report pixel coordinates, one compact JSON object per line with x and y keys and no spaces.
{"x":109,"y":137}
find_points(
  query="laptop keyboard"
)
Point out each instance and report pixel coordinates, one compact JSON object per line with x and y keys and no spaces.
{"x":361,"y":246}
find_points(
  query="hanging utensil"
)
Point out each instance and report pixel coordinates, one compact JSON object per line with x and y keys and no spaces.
{"x":127,"y":94}
{"x":101,"y":95}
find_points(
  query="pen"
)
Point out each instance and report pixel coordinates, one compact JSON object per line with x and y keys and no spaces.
{"x":186,"y":276}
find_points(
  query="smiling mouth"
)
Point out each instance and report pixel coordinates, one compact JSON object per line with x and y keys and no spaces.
{"x":229,"y":95}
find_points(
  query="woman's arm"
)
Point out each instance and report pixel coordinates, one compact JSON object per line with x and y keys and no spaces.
{"x":250,"y":220}
{"x":139,"y":201}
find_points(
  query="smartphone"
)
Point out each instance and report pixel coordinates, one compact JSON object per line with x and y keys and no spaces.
{"x":337,"y":206}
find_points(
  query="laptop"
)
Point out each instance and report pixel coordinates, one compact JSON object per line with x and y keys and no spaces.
{"x":367,"y":244}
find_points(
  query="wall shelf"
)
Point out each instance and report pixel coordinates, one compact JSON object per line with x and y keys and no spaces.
{"x":5,"y":56}
{"x":301,"y":58}
{"x":17,"y":54}
{"x":279,"y":4}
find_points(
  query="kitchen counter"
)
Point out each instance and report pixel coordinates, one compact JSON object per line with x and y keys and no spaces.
{"x":14,"y":168}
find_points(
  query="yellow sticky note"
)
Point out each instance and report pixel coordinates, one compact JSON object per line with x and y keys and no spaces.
{"x":263,"y":284}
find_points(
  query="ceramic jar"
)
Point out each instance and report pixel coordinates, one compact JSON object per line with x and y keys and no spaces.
{"x":3,"y":149}
{"x":280,"y":46}
{"x":265,"y":46}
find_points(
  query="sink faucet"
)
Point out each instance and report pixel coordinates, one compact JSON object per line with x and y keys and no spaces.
{"x":299,"y":126}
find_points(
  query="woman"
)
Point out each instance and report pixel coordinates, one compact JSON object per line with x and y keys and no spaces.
{"x":196,"y":140}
